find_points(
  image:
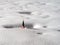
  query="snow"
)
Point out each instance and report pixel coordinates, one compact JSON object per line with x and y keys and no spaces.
{"x":37,"y":26}
{"x":44,"y":18}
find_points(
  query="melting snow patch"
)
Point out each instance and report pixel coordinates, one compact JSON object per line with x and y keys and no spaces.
{"x":39,"y":33}
{"x":25,"y":13}
{"x":12,"y":26}
{"x":58,"y":30}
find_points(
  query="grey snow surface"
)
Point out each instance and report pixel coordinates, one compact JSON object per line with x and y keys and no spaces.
{"x":41,"y":17}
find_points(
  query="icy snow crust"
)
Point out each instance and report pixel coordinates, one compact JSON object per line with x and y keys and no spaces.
{"x":44,"y":17}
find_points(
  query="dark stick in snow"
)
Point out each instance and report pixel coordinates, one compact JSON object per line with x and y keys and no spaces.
{"x":23,"y":25}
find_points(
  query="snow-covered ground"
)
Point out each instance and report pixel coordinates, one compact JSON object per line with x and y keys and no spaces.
{"x":44,"y":18}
